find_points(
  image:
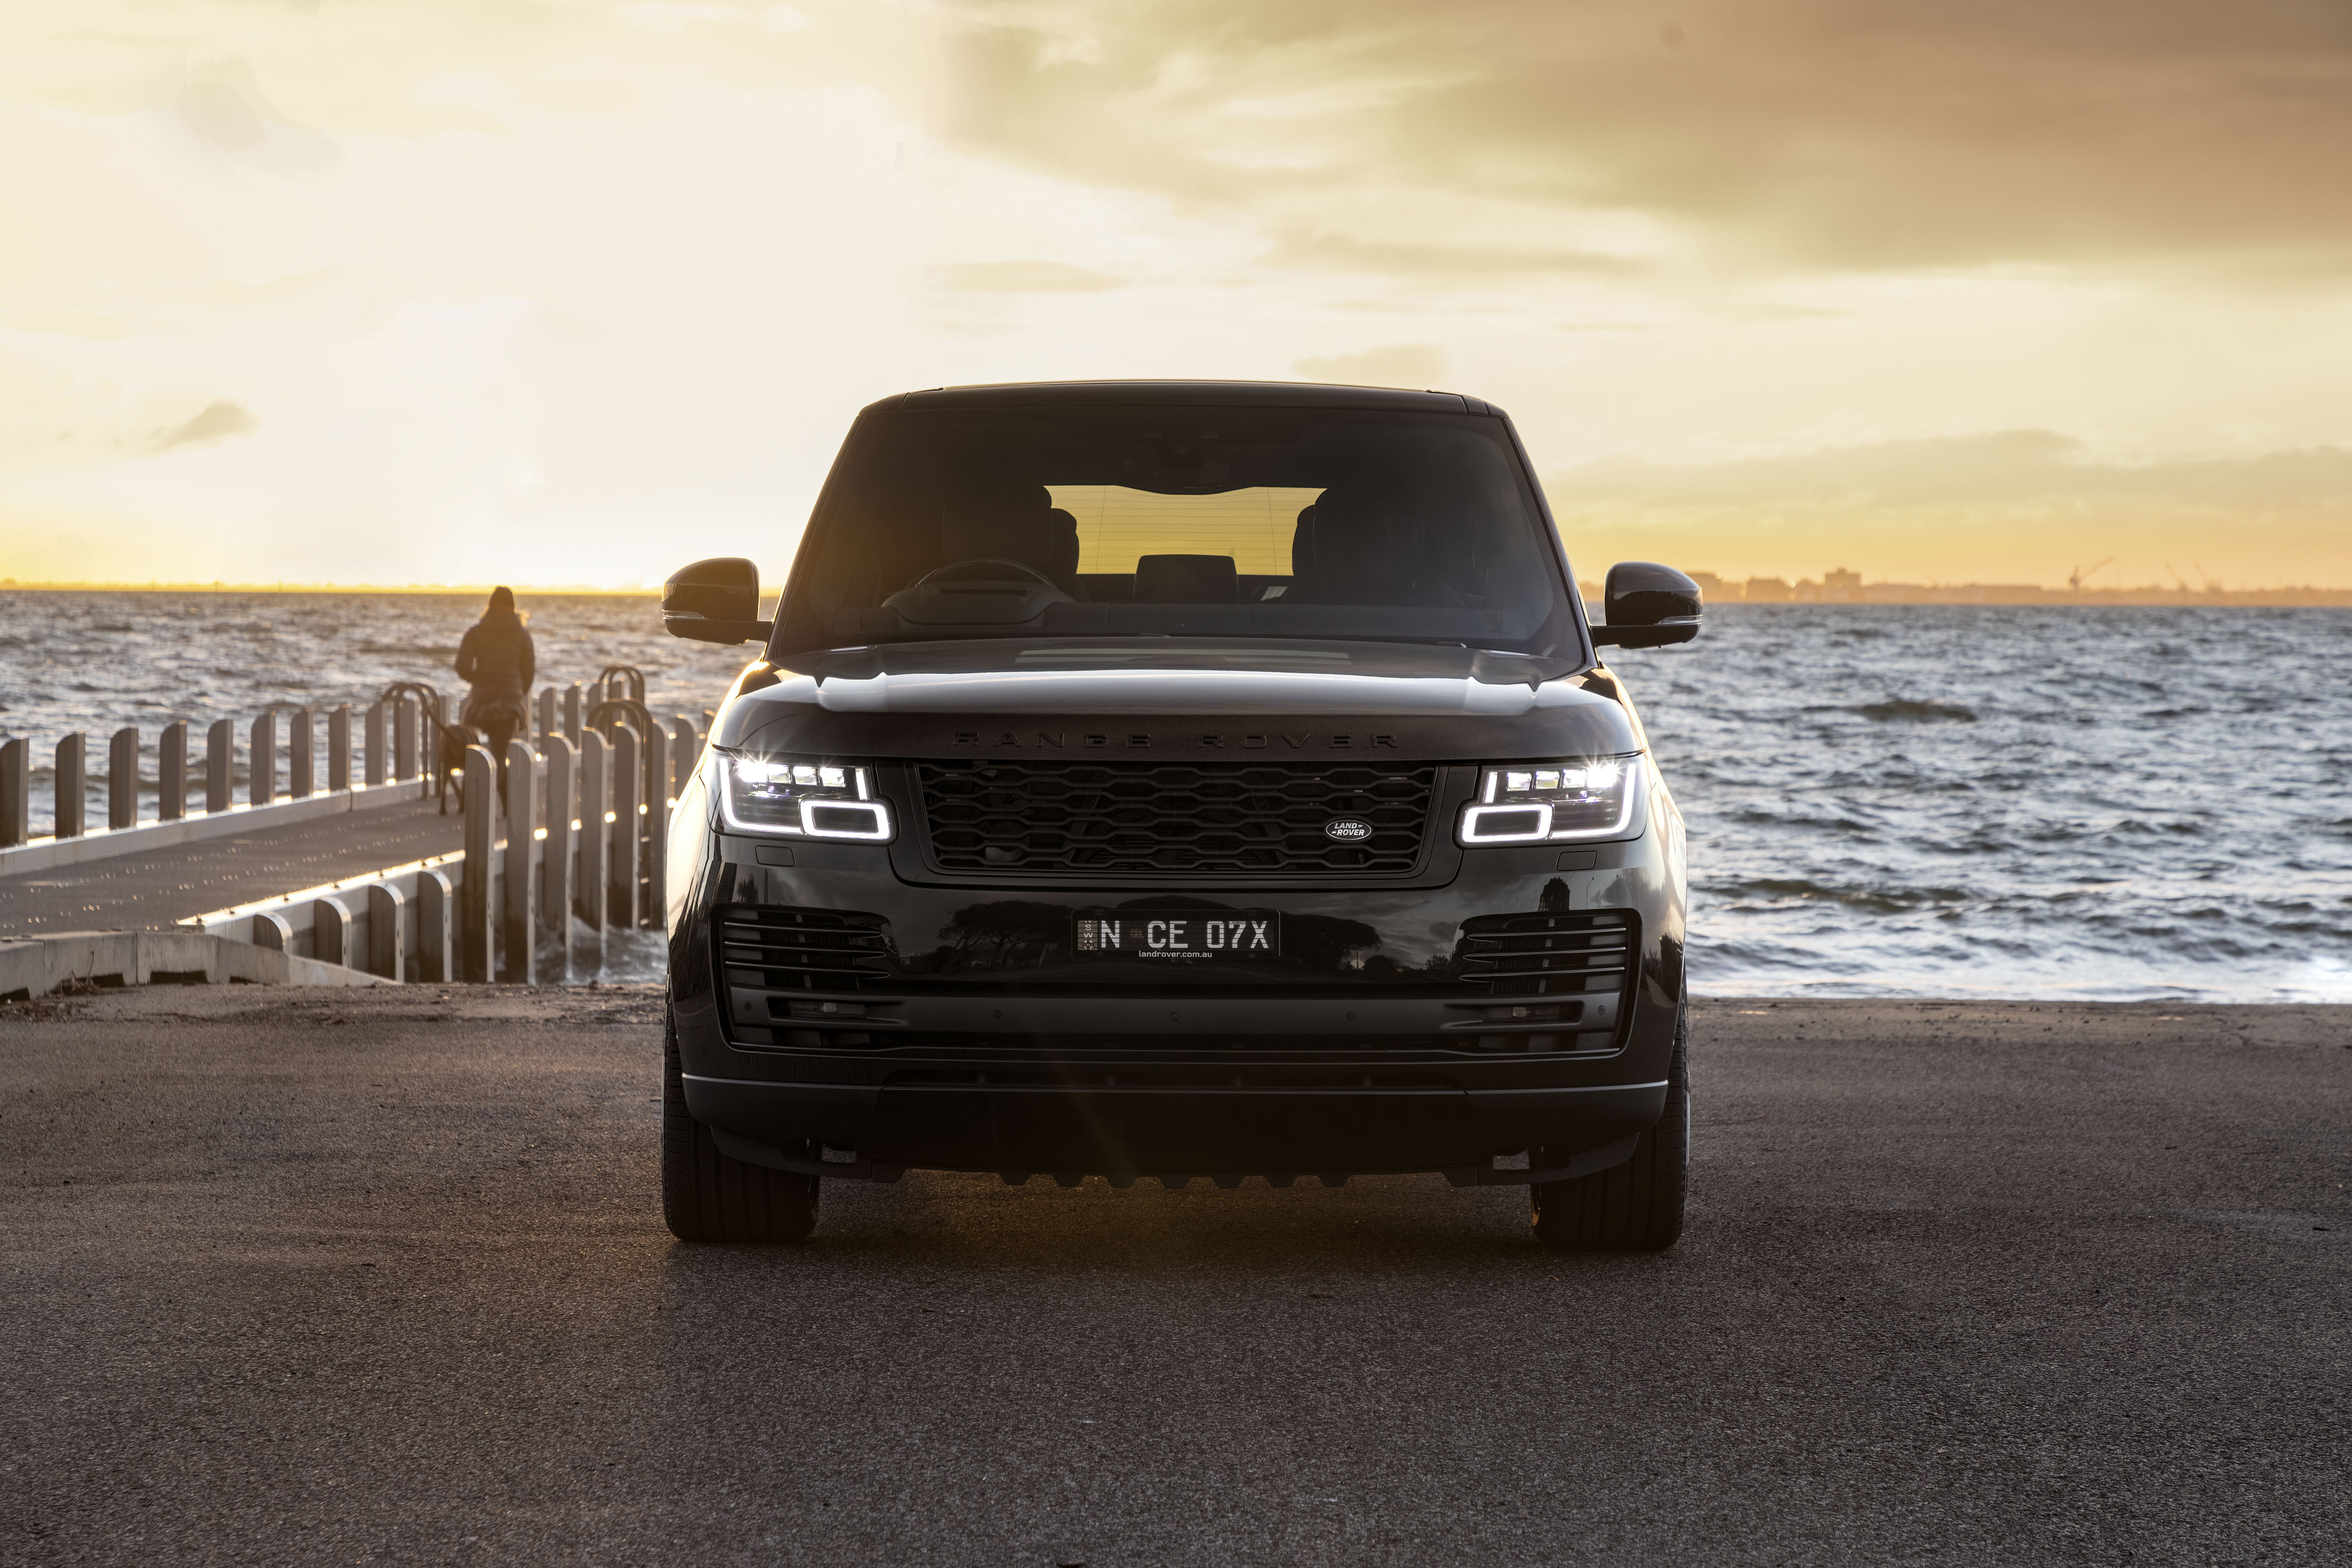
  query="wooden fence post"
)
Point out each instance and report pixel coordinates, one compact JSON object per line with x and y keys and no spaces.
{"x":518,"y":876}
{"x":387,"y":943}
{"x":301,"y":754}
{"x":338,"y":749}
{"x":555,"y":856}
{"x":437,"y":903}
{"x":330,"y":933}
{"x":656,"y":835}
{"x":544,"y":709}
{"x":171,"y":772}
{"x":628,"y":780}
{"x":220,"y":765}
{"x":372,"y":733}
{"x":595,"y":851}
{"x":403,"y":744}
{"x":261,"y":762}
{"x":69,"y":784}
{"x":571,"y":713}
{"x":16,"y":790}
{"x":477,"y":923}
{"x":122,"y":779}
{"x":273,"y":930}
{"x":683,"y":760}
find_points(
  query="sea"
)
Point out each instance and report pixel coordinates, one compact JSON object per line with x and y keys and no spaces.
{"x":1892,"y":801}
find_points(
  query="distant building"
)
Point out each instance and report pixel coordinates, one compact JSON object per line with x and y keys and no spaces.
{"x":1841,"y":586}
{"x":1714,"y":588}
{"x":1767,"y":591}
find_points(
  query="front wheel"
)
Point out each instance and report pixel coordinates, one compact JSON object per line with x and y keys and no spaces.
{"x":709,"y":1196}
{"x":1637,"y":1207}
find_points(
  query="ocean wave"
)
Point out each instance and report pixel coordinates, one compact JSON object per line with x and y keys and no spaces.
{"x":1905,"y":711}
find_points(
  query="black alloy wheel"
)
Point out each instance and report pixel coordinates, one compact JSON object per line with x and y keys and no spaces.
{"x":710,"y":1197}
{"x":1637,"y":1207}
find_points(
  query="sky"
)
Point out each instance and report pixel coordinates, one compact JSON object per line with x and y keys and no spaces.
{"x":392,"y":291}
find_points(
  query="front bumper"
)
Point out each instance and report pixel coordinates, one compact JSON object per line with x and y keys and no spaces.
{"x":1380,"y":1057}
{"x":1175,"y":1130}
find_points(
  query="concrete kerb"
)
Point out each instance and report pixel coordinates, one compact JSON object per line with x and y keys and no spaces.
{"x":33,"y":967}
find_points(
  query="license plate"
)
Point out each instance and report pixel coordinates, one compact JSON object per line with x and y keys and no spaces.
{"x":1179,"y":933}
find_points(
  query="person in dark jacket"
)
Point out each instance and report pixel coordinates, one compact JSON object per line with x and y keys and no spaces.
{"x":497,"y":660}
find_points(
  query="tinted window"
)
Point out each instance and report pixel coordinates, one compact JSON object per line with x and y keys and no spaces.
{"x":1200,"y":521}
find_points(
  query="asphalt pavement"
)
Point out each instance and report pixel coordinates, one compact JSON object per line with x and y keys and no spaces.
{"x":380,"y":1276}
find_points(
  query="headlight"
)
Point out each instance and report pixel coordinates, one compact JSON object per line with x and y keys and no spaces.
{"x":806,"y":798}
{"x":1537,"y":803}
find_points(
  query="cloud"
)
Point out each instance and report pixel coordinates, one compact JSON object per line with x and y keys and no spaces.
{"x":1401,"y":364}
{"x":1023,"y":278}
{"x":218,"y":422}
{"x":1999,"y":468}
{"x":1840,"y":133}
{"x":220,"y":104}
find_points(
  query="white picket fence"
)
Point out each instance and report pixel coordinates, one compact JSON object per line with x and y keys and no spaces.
{"x":396,"y":751}
{"x":569,"y":851}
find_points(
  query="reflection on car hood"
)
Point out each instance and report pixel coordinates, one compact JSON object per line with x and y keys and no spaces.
{"x":1158,"y":700}
{"x":1232,"y":691}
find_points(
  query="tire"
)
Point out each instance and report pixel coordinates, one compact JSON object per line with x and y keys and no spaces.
{"x":1637,"y":1207}
{"x":709,"y":1197}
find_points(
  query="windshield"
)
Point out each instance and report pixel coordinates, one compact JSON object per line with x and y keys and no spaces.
{"x":1201,"y":521}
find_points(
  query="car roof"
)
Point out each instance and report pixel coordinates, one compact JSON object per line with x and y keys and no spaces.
{"x":1195,"y":393}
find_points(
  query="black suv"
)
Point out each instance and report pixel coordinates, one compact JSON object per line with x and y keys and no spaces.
{"x":1178,"y":779}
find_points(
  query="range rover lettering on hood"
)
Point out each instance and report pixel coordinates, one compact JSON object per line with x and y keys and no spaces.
{"x":1104,"y":740}
{"x":1219,"y":691}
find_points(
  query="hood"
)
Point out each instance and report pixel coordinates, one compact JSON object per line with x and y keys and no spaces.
{"x":1143,"y":702}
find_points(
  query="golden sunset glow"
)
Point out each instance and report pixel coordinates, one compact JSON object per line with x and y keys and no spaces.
{"x":571,"y":293}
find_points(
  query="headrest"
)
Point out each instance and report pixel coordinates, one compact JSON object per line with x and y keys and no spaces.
{"x":1350,"y":525}
{"x":1011,"y":522}
{"x":1186,"y":580}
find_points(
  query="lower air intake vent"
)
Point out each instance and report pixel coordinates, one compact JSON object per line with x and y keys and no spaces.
{"x":1549,"y":955}
{"x":799,"y":950}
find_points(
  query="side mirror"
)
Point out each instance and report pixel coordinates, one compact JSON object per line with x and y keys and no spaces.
{"x":1649,"y":606}
{"x":715,"y":601}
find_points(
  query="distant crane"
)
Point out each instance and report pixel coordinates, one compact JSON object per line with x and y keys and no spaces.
{"x":2074,"y":578}
{"x":2179,"y":581}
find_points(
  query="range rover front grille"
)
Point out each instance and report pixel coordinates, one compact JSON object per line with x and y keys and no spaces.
{"x":1056,"y":818}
